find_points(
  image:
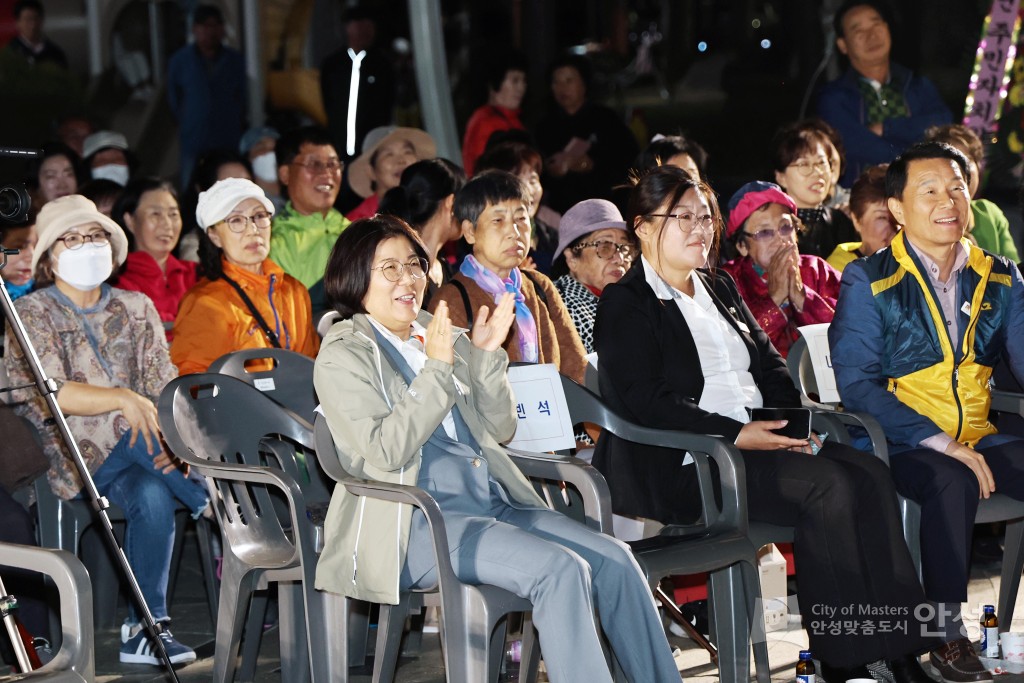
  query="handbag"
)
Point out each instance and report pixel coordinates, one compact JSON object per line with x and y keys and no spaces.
{"x":22,"y":459}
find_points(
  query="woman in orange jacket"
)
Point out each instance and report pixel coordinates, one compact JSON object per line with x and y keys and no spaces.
{"x":245,"y":300}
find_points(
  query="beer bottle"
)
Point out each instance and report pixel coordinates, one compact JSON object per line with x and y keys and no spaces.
{"x":805,"y":668}
{"x":989,"y":633}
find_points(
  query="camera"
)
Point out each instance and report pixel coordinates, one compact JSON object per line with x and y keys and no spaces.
{"x":14,"y":198}
{"x":14,"y":204}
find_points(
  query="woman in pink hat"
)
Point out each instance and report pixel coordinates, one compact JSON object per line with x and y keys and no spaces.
{"x":783,"y":288}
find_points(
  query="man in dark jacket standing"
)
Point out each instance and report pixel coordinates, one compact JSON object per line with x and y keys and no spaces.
{"x":206,"y":88}
{"x":30,"y":41}
{"x":358,"y":85}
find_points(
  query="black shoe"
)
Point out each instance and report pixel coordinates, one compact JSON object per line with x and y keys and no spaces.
{"x":696,"y":613}
{"x":840,"y":674}
{"x":908,"y":669}
{"x":956,"y":663}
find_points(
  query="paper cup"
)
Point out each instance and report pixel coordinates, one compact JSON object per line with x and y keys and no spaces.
{"x":1011,"y":646}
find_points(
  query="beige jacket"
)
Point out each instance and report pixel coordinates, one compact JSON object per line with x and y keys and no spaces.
{"x":379,"y":425}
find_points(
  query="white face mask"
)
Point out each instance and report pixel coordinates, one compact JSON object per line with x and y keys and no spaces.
{"x":87,"y":267}
{"x":115,"y":172}
{"x":265,"y":167}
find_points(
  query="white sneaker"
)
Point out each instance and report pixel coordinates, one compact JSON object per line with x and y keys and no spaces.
{"x":138,"y":649}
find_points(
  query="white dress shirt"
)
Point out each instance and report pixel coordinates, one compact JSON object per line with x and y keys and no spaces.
{"x":729,"y":388}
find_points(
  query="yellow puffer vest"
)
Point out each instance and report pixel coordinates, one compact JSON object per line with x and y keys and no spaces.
{"x":950,"y":387}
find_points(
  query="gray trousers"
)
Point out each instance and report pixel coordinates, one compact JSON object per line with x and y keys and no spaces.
{"x":566,"y":570}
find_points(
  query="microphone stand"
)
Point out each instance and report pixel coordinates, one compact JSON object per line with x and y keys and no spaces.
{"x":48,"y":389}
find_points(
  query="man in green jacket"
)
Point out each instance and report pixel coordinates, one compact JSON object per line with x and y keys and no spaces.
{"x":305,"y":232}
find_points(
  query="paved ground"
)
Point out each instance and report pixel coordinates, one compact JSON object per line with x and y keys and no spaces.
{"x":192,"y":625}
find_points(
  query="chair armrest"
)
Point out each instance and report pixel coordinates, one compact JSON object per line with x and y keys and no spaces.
{"x":587,"y":407}
{"x":75,"y":589}
{"x":591,"y":484}
{"x":703,"y":449}
{"x":866,"y":422}
{"x":417,"y":497}
{"x":1007,"y":402}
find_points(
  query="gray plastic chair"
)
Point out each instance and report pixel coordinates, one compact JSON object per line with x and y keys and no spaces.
{"x":466,"y":611}
{"x":289,"y":380}
{"x":244,"y":442}
{"x":74,"y":662}
{"x":717,"y":544}
{"x":997,"y":508}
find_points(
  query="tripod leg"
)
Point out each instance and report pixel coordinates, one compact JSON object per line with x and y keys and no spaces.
{"x":7,"y":606}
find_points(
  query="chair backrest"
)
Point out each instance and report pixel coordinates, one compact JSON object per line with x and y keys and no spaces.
{"x":283,"y":375}
{"x":326,"y":321}
{"x":235,"y":436}
{"x":801,"y":370}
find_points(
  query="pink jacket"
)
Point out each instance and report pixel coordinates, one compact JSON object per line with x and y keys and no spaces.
{"x":821,"y":287}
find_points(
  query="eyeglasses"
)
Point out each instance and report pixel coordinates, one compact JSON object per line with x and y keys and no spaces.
{"x":393,"y":270}
{"x":688,"y":222}
{"x":238,"y":223}
{"x":317,"y":167}
{"x":785,"y":230}
{"x":806,"y":168}
{"x":606,"y":250}
{"x":73,"y":240}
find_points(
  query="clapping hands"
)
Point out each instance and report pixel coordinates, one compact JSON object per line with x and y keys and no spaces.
{"x":491,"y":329}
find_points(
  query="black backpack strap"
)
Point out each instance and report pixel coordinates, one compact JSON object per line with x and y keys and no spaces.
{"x":465,"y":301}
{"x":532,"y":277}
{"x":271,"y":335}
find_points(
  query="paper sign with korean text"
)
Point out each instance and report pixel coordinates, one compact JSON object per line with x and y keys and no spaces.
{"x":543,"y":420}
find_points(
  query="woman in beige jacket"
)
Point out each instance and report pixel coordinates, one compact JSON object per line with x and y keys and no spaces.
{"x":411,"y":399}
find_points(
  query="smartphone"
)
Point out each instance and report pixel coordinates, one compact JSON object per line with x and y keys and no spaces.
{"x":799,"y":420}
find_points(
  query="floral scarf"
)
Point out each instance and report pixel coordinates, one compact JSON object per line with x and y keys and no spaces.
{"x":526,"y":326}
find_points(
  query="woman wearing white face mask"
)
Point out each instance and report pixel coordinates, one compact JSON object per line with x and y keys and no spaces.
{"x":257,"y":145}
{"x":106,"y":350}
{"x":107,"y":156}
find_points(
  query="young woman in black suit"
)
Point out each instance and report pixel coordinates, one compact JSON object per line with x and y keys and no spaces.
{"x":679,"y":349}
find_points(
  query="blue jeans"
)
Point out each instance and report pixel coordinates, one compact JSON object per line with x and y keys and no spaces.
{"x":147,"y":497}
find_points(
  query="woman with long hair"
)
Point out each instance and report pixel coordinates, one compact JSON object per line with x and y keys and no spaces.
{"x":680,"y":350}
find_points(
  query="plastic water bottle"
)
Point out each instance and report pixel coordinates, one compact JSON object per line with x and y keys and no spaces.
{"x":805,"y":672}
{"x":513,"y":655}
{"x":990,"y":633}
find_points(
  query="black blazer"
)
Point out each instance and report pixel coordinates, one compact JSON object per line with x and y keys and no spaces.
{"x":649,"y":372}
